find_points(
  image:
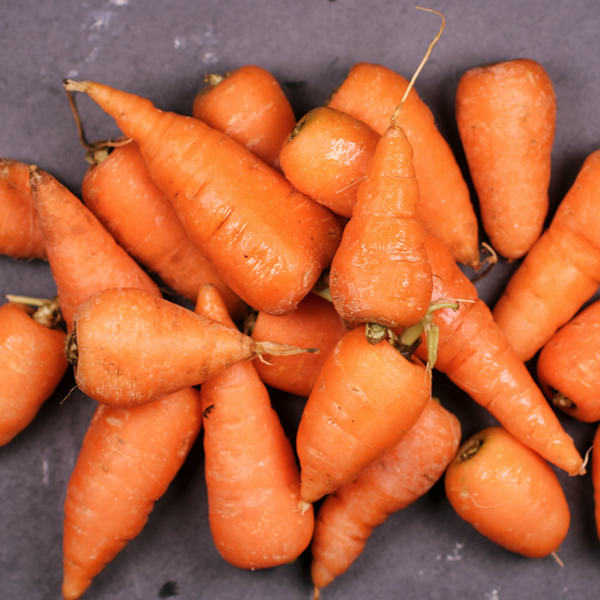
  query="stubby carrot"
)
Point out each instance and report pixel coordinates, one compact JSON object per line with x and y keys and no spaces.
{"x":560,"y":272}
{"x":508,"y":493}
{"x":253,"y":482}
{"x":20,"y":235}
{"x":476,"y":356}
{"x":250,"y":107}
{"x":394,"y":481}
{"x":127,"y":460}
{"x":268,"y":242}
{"x":506,"y":115}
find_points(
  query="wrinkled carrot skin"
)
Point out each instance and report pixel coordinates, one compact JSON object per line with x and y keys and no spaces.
{"x":252,"y":478}
{"x":249,"y":106}
{"x":365,"y":399}
{"x":127,"y":460}
{"x":134,"y":348}
{"x":506,"y":115}
{"x":509,"y":494}
{"x":20,"y":235}
{"x":402,"y":475}
{"x":121,"y":194}
{"x":326,"y":157}
{"x":560,"y":272}
{"x":32,"y":363}
{"x":371,"y":93}
{"x":596,"y":478}
{"x":268,"y":242}
{"x":380,"y":273}
{"x":570,"y":364}
{"x":314,"y":324}
{"x":84,"y":258}
{"x":477,"y":357}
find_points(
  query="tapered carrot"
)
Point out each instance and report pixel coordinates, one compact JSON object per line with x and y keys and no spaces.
{"x":394,"y":481}
{"x":476,"y":356}
{"x":371,"y":93}
{"x":32,"y":363}
{"x":20,"y":235}
{"x":268,"y":242}
{"x":250,"y":107}
{"x":560,"y":273}
{"x":506,"y":115}
{"x":127,"y":460}
{"x":596,"y":478}
{"x":253,"y":482}
{"x":508,"y":493}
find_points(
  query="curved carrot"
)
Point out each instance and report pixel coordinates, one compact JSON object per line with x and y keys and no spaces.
{"x":508,"y":493}
{"x":371,"y":93}
{"x":268,"y":242}
{"x":127,"y":460}
{"x":402,"y":475}
{"x":560,"y":273}
{"x":506,"y":115}
{"x":20,"y":235}
{"x":476,"y":356}
{"x":249,"y":106}
{"x":254,"y":509}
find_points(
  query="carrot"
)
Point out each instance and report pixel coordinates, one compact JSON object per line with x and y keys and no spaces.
{"x":477,"y":357}
{"x":402,"y":475}
{"x":252,"y":479}
{"x":371,"y":93}
{"x":83,"y":256}
{"x":32,"y":362}
{"x":508,"y":493}
{"x":506,"y":115}
{"x":20,"y":235}
{"x":568,"y":367}
{"x":127,"y":461}
{"x":249,"y":106}
{"x":268,"y":242}
{"x":560,"y":272}
{"x":596,"y":478}
{"x":314,"y":324}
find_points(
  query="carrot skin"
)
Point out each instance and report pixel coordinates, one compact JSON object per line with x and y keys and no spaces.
{"x":596,"y":478}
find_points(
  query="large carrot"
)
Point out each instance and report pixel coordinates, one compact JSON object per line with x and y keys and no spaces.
{"x":402,"y":475}
{"x":560,"y":272}
{"x":476,"y":356}
{"x":253,"y":482}
{"x":268,"y":242}
{"x":506,"y":115}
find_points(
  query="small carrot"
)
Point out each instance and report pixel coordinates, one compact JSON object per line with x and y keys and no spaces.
{"x":560,"y":272}
{"x":249,"y":106}
{"x":253,"y":482}
{"x":402,"y":475}
{"x":596,"y":478}
{"x":506,"y":115}
{"x":268,"y":242}
{"x":508,"y":493}
{"x":20,"y":235}
{"x":32,"y":362}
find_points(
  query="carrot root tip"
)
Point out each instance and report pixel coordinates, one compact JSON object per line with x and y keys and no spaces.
{"x":76,"y":86}
{"x":303,"y":506}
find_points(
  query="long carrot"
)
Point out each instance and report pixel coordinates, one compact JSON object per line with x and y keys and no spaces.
{"x":560,"y":272}
{"x":268,"y":242}
{"x":402,"y":475}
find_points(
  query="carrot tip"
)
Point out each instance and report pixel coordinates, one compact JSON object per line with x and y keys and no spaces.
{"x":303,"y":506}
{"x":316,"y":593}
{"x":75,"y":86}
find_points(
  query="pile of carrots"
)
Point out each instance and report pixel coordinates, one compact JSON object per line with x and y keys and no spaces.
{"x":322,"y":259}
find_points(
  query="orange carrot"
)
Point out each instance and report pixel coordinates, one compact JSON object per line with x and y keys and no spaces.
{"x":32,"y":363}
{"x":402,"y":475}
{"x":596,"y":478}
{"x":252,"y":479}
{"x":477,"y":357}
{"x":371,"y":93}
{"x":560,"y":273}
{"x":508,"y":493}
{"x":20,"y":235}
{"x":249,"y":106}
{"x":127,"y":460}
{"x":568,"y":367}
{"x":268,"y":242}
{"x":506,"y":114}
